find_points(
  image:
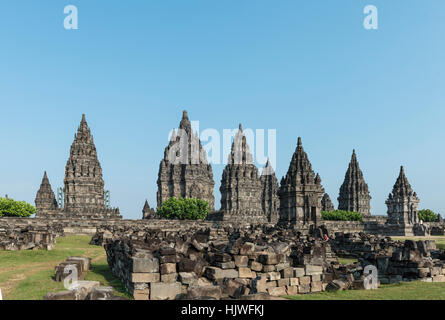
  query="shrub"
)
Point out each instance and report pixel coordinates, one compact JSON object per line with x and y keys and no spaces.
{"x":341,"y":215}
{"x":12,"y":208}
{"x":427,"y":215}
{"x":184,"y":208}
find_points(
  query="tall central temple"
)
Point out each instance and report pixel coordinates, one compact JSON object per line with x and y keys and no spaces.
{"x":184,"y":171}
{"x":300,"y":191}
{"x":84,"y":185}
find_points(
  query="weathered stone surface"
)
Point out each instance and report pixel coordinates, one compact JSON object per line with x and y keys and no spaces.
{"x":145,"y":265}
{"x":102,"y":293}
{"x":402,"y":202}
{"x":300,"y":191}
{"x":62,"y":295}
{"x":83,"y":288}
{"x":184,"y":170}
{"x":165,"y":291}
{"x":145,"y":277}
{"x":241,"y":188}
{"x":312,"y":270}
{"x":84,"y":185}
{"x":269,"y":197}
{"x":168,"y":268}
{"x":326,"y":203}
{"x":205,"y":291}
{"x":354,"y":195}
{"x":217,"y":273}
{"x":242,"y":261}
{"x":277,"y":291}
{"x":45,"y":199}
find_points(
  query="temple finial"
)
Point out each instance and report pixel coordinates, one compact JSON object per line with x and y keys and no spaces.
{"x":240,"y":127}
{"x":299,"y":144}
{"x":185,"y":114}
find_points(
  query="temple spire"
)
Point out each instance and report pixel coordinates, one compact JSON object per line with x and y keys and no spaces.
{"x":354,"y":193}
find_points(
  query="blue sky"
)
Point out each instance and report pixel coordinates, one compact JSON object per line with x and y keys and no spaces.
{"x":304,"y":68}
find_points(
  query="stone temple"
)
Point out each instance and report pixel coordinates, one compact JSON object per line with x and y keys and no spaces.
{"x":402,"y":202}
{"x":326,"y":203}
{"x":45,"y":199}
{"x":184,"y":171}
{"x":83,"y":183}
{"x":354,"y":193}
{"x":300,"y":191}
{"x":241,"y":188}
{"x":269,"y":198}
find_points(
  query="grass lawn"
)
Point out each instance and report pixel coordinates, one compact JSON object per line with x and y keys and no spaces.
{"x":415,"y":290}
{"x":27,"y":275}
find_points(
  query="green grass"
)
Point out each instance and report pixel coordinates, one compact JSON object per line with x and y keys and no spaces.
{"x":347,"y":260}
{"x":28,"y":275}
{"x":416,"y":290}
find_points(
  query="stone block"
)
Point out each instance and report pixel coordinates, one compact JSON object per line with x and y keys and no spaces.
{"x":294,"y":281}
{"x":145,"y":277}
{"x":187,"y":277}
{"x":167,"y":268}
{"x":269,"y":258}
{"x":273,"y":275}
{"x":282,"y":266}
{"x":102,"y":293}
{"x":247,"y":248}
{"x":225,"y":265}
{"x":292,"y":290}
{"x":316,"y":277}
{"x":246,"y":273}
{"x":287,"y":272}
{"x":141,"y":294}
{"x":268,"y":268}
{"x":256,"y":266}
{"x":145,"y":265}
{"x":304,"y":280}
{"x":169,"y":277}
{"x":277,"y":291}
{"x":316,"y":286}
{"x":304,"y":288}
{"x":313,"y":270}
{"x":242,"y":261}
{"x":168,"y":259}
{"x":214,"y":292}
{"x":214,"y":273}
{"x":299,"y":272}
{"x":165,"y":291}
{"x":167,"y":251}
{"x":62,"y":295}
{"x":439,"y":278}
{"x":283,"y":282}
{"x":83,"y":288}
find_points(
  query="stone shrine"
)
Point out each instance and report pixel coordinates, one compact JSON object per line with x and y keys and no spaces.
{"x":46,"y":202}
{"x":402,"y":202}
{"x":241,"y":188}
{"x":326,"y":203}
{"x":354,"y":194}
{"x":269,"y":198}
{"x":147,"y":212}
{"x":300,"y":191}
{"x":184,"y":171}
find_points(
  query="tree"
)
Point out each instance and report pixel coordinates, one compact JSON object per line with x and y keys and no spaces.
{"x":184,"y":209}
{"x":12,"y":208}
{"x":427,"y":215}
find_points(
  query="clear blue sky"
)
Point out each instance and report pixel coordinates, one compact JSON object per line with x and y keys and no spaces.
{"x":305,"y":68}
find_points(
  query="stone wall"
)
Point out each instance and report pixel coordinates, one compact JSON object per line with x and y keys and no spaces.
{"x":15,"y":235}
{"x":224,"y":262}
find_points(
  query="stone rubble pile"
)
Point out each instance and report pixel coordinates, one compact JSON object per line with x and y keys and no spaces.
{"x":395,"y":260}
{"x":64,"y":269}
{"x":223,"y":263}
{"x":79,"y":289}
{"x":14,"y":237}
